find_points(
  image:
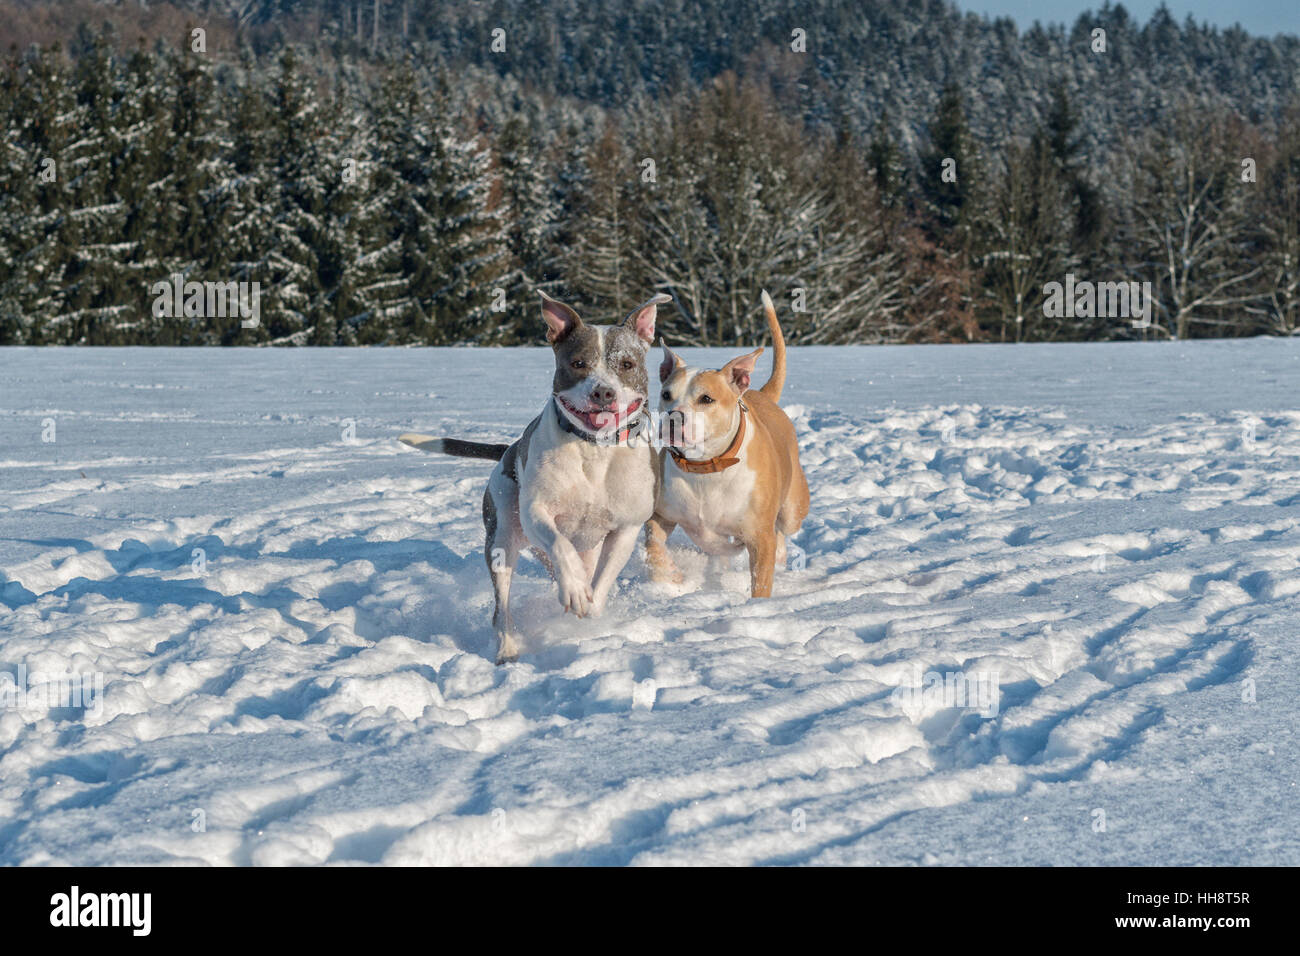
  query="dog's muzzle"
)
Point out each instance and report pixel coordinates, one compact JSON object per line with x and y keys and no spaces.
{"x":672,"y":428}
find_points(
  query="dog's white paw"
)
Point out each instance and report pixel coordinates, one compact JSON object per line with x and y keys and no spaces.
{"x":508,"y":647}
{"x":576,"y":596}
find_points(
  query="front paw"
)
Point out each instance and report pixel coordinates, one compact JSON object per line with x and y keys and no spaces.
{"x":576,"y":595}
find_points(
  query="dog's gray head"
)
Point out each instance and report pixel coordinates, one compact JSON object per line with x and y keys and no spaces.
{"x":600,"y":374}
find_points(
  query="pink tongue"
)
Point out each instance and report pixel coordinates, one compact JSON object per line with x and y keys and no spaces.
{"x":600,"y":420}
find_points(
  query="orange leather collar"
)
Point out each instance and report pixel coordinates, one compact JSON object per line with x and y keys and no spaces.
{"x":709,"y":466}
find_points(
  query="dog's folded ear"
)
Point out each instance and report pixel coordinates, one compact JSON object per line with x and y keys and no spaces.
{"x":738,"y":371}
{"x":560,"y":319}
{"x":641,"y":320}
{"x":671,"y":363}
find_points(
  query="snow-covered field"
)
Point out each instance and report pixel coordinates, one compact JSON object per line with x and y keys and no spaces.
{"x":291,"y":624}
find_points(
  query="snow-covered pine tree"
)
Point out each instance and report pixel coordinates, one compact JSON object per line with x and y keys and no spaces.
{"x":33,"y":95}
{"x":437,"y":185}
{"x":599,"y":264}
{"x":98,"y":297}
{"x":372,"y":303}
{"x":885,"y":162}
{"x":736,"y":209}
{"x":952,"y":150}
{"x":530,"y":211}
{"x":240,"y":201}
{"x":268,"y":207}
{"x":192,"y":167}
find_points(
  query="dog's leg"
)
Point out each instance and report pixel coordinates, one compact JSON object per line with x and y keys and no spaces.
{"x":762,"y":563}
{"x":590,"y":560}
{"x":570,"y":572}
{"x":780,"y":550}
{"x":618,"y":547}
{"x":501,"y":545}
{"x":794,"y":507}
{"x":657,"y":559}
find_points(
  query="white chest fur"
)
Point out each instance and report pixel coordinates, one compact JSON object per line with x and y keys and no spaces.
{"x":709,"y":508}
{"x":590,"y":489}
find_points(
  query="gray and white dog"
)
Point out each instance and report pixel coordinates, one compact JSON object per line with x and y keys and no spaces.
{"x":581,"y":481}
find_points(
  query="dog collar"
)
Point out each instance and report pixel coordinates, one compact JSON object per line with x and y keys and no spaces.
{"x":710,"y":466}
{"x":623,"y":437}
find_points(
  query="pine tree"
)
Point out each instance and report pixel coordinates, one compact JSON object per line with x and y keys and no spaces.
{"x":952,"y":151}
{"x":452,"y":244}
{"x":529,"y":205}
{"x":885,"y":163}
{"x":1061,"y":130}
{"x":600,"y":263}
{"x":100,"y":298}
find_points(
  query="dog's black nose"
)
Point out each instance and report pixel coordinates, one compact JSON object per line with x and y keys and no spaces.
{"x":603,"y":395}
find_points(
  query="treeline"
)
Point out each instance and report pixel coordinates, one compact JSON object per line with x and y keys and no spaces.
{"x":402,"y":199}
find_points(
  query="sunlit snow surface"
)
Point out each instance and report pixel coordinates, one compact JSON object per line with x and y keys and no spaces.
{"x":293,"y":627}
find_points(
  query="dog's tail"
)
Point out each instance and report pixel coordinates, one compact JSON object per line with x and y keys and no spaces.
{"x":453,"y":446}
{"x":772,"y":388}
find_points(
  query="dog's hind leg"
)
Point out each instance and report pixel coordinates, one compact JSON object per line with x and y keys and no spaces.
{"x":794,"y":507}
{"x":502,"y":542}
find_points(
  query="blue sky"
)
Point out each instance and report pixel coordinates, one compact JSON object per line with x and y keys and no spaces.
{"x":1264,"y":17}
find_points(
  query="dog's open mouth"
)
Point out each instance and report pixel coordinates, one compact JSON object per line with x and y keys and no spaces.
{"x":599,"y":419}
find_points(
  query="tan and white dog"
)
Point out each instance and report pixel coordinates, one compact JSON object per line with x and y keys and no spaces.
{"x":730,"y":473}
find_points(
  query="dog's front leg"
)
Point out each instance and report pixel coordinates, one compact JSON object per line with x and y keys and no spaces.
{"x":762,"y":563}
{"x":618,"y":547}
{"x":570,"y":572}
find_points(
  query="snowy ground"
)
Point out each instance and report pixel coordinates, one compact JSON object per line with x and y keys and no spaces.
{"x":292,"y":628}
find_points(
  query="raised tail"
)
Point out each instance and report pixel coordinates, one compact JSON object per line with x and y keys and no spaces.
{"x":453,"y":446}
{"x":772,"y":387}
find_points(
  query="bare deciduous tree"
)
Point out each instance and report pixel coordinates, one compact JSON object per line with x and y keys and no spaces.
{"x":1190,"y":222}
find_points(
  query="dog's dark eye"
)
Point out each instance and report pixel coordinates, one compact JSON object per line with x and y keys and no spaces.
{"x":706,"y":399}
{"x":667,"y":396}
{"x":577,"y":363}
{"x":628,"y":365}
